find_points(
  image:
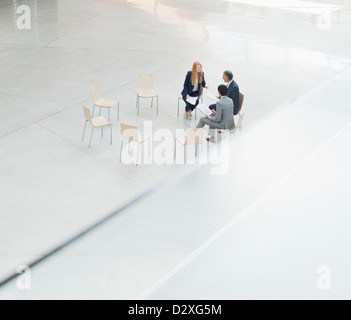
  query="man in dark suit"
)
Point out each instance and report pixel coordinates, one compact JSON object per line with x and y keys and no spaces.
{"x":233,"y":91}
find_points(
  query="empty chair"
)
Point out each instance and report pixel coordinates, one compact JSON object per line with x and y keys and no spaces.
{"x":131,"y":134}
{"x":99,"y":122}
{"x":193,"y":137}
{"x":146,"y":89}
{"x":100,"y":102}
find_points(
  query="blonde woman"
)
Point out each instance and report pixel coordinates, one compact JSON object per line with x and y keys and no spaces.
{"x":193,"y":86}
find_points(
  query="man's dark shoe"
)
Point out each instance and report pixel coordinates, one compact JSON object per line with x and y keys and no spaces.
{"x":210,"y":139}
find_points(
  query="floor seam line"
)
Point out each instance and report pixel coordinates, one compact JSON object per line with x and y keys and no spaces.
{"x":196,"y":253}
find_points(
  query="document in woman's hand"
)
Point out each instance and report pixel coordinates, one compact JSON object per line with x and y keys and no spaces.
{"x":192,"y":100}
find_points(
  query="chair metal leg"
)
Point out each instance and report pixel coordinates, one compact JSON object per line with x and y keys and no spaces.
{"x":149,"y":147}
{"x":120,"y":153}
{"x":185,"y":154}
{"x":91,"y":136}
{"x":102,"y":128}
{"x":137,"y":159}
{"x":92,"y":115}
{"x":111,"y":133}
{"x":118,"y":112}
{"x":138,"y":102}
{"x":157,"y":106}
{"x":109,"y":114}
{"x":152,"y":102}
{"x":175,"y":149}
{"x":178,"y":108}
{"x":85,"y":126}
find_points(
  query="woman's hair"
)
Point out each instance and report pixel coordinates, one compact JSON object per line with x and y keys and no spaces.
{"x":194,"y":74}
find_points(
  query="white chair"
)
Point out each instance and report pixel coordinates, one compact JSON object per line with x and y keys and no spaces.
{"x":131,"y":134}
{"x":193,"y":137}
{"x":99,"y":122}
{"x":100,"y":102}
{"x":146,"y":89}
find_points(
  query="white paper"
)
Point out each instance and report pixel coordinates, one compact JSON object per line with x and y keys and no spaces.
{"x":192,"y":100}
{"x":212,"y":96}
{"x":204,"y":109}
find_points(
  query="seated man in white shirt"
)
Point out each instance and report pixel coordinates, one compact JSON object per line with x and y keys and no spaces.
{"x":222,"y":118}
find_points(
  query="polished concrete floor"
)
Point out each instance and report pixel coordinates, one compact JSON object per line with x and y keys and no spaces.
{"x":264,"y":229}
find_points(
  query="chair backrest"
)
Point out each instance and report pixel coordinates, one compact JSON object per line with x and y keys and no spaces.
{"x":241,"y":101}
{"x":195,"y":136}
{"x":130,"y":133}
{"x":96,"y":92}
{"x":87,"y":114}
{"x":145,"y":81}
